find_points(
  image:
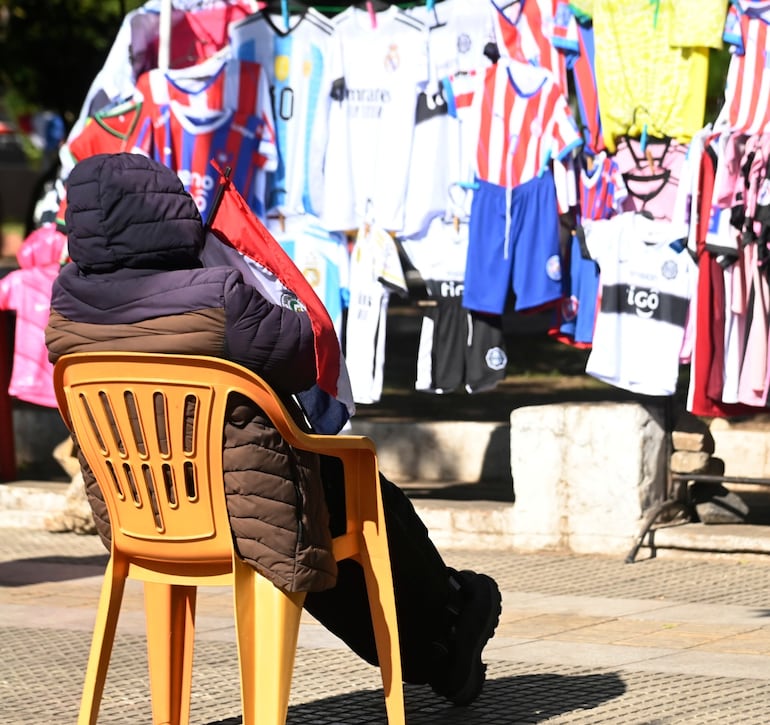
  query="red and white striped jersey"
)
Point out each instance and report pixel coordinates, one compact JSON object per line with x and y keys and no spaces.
{"x":541,"y":32}
{"x":523,"y":123}
{"x":602,"y":189}
{"x":214,"y":85}
{"x":233,"y":85}
{"x":747,"y":88}
{"x":215,"y":111}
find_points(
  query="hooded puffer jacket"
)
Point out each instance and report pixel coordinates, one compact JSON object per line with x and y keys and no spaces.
{"x":136,"y":283}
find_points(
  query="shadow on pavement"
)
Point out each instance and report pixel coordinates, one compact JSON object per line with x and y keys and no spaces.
{"x":497,"y":491}
{"x":505,"y":701}
{"x":22,"y":572}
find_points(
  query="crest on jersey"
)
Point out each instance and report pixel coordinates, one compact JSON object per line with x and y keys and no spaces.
{"x":669,"y":270}
{"x":392,"y":58}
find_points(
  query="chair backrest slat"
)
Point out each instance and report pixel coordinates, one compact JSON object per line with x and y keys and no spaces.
{"x":151,"y":427}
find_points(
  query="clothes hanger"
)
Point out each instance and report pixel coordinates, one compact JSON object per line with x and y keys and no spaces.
{"x":379,"y":6}
{"x":373,"y":7}
{"x":430,"y":5}
{"x":285,"y":8}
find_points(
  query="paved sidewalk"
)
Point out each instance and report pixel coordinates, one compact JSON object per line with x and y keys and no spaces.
{"x":581,"y":640}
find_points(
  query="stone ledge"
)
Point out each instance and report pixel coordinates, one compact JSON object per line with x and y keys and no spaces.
{"x":728,"y":539}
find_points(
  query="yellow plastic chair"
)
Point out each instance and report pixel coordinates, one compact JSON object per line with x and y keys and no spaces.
{"x":170,"y":528}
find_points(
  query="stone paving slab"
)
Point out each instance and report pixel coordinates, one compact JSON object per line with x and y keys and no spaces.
{"x":581,"y":640}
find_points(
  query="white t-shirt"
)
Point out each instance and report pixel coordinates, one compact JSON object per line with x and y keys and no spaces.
{"x":647,"y":280}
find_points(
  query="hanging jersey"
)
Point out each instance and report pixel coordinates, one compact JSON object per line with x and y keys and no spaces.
{"x":747,"y":88}
{"x":321,"y":256}
{"x":216,"y":84}
{"x":584,"y":81}
{"x":375,"y":271}
{"x":233,"y":85}
{"x":752,"y":388}
{"x":439,"y":253}
{"x":601,"y":187}
{"x":647,"y":282}
{"x":377,"y":73}
{"x":107,"y":132}
{"x":208,"y":117}
{"x":602,"y":191}
{"x":196,"y":33}
{"x":293,"y":58}
{"x":459,"y":33}
{"x":434,"y":163}
{"x":459,"y":90}
{"x":188,"y":143}
{"x":522,"y":123}
{"x":540,"y":32}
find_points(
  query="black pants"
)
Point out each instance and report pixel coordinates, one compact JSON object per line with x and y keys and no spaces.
{"x":420,"y":580}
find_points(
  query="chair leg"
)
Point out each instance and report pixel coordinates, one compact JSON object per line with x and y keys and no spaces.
{"x":170,"y":623}
{"x":101,"y":643}
{"x":267,"y":627}
{"x":375,"y":560}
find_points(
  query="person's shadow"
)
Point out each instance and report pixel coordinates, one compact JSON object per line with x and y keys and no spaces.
{"x":51,"y":568}
{"x":522,"y":699}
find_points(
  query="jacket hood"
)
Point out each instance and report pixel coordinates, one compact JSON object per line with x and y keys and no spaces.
{"x":42,"y":248}
{"x":126,"y":210}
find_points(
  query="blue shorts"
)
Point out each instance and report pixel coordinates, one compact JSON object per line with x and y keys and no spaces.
{"x":579,"y":306}
{"x":527,"y":262}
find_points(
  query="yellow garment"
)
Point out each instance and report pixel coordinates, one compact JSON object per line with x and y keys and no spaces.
{"x":643,"y":83}
{"x":698,"y":23}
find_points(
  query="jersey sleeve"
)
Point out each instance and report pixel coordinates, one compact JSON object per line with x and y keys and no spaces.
{"x":268,"y":143}
{"x":565,"y":30}
{"x":564,"y":131}
{"x":733,"y":34}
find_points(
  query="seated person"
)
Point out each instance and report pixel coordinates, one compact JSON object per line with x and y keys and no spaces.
{"x":137,"y":282}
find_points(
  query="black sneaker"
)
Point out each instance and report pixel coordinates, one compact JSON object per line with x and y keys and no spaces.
{"x":474,"y":626}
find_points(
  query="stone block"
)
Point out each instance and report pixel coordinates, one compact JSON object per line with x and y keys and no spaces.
{"x":745,"y":450}
{"x":689,"y":461}
{"x":715,"y":504}
{"x":695,"y":442}
{"x":691,"y":433}
{"x":585,"y":473}
{"x":440,"y":451}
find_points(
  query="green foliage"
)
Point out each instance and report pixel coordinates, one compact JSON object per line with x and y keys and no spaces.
{"x":51,"y":50}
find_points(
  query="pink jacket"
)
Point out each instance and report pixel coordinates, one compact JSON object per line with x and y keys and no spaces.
{"x":27,"y":290}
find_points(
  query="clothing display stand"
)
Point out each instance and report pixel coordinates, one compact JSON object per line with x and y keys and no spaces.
{"x":676,"y":500}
